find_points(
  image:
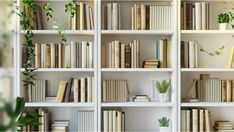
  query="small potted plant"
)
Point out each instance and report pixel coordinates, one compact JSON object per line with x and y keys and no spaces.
{"x":224,"y":20}
{"x":164,"y":124}
{"x":162,"y":88}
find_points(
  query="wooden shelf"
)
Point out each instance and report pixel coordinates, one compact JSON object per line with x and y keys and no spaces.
{"x":202,"y":32}
{"x":138,"y":104}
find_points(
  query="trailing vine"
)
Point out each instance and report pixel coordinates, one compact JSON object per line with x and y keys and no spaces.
{"x":28,"y":42}
{"x":70,"y":8}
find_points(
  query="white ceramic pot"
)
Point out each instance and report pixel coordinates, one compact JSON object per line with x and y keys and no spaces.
{"x":162,"y":97}
{"x":223,"y":26}
{"x":164,"y":129}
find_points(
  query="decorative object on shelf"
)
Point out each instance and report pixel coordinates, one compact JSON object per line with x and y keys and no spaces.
{"x":215,"y":52}
{"x":224,"y":20}
{"x":16,"y":118}
{"x":153,"y":63}
{"x":162,"y":88}
{"x":164,"y":124}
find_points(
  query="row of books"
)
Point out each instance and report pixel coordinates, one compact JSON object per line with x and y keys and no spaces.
{"x":195,"y":16}
{"x":151,"y":17}
{"x":35,"y":18}
{"x":195,"y":119}
{"x":73,"y":55}
{"x":85,"y":120}
{"x":163,"y":53}
{"x":189,"y":54}
{"x":111,"y":17}
{"x":83,"y":90}
{"x":207,"y":89}
{"x":44,"y":119}
{"x":83,"y":19}
{"x":114,"y":90}
{"x":113,"y":121}
{"x":37,"y":92}
{"x":119,"y":55}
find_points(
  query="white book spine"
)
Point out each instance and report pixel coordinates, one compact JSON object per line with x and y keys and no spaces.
{"x":87,"y":17}
{"x":76,"y":90}
{"x":143,"y":17}
{"x":109,"y":17}
{"x":203,"y":16}
{"x":73,"y":54}
{"x":198,"y":15}
{"x":89,"y":89}
{"x":115,"y":16}
{"x":91,"y":54}
{"x":84,"y":50}
{"x":191,"y":54}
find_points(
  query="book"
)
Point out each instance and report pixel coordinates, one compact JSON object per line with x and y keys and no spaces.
{"x":61,"y":91}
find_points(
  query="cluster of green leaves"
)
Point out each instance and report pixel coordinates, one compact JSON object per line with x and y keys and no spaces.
{"x":70,"y":8}
{"x":215,"y":52}
{"x":224,"y":18}
{"x":162,"y":86}
{"x":164,"y":122}
{"x":14,"y":113}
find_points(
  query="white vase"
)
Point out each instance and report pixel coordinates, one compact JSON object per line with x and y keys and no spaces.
{"x":162,"y":97}
{"x":223,"y":26}
{"x":164,"y":129}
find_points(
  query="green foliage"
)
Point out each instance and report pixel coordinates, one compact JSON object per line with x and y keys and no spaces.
{"x":164,"y":122}
{"x":14,"y":113}
{"x":224,"y":18}
{"x":70,"y":8}
{"x":215,"y":52}
{"x":49,"y":11}
{"x":163,"y":86}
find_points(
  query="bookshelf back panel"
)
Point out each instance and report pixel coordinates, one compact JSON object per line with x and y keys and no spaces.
{"x":55,"y":78}
{"x":139,"y":83}
{"x":144,"y":119}
{"x":187,"y":78}
{"x":59,"y":12}
{"x":147,"y":44}
{"x":210,"y":44}
{"x":70,"y":114}
{"x":126,"y":6}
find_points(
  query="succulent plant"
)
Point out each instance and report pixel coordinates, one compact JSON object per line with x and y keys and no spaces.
{"x":164,"y":122}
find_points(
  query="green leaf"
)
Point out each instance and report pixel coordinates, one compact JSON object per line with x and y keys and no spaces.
{"x":20,"y":103}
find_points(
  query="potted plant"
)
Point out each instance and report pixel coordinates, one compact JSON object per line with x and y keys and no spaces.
{"x":224,"y":20}
{"x":164,"y":125}
{"x":162,"y":88}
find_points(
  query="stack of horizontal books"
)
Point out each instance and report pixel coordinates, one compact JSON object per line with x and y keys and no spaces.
{"x":151,"y":64}
{"x":223,"y":126}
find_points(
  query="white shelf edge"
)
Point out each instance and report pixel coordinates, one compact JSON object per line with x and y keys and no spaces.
{"x":198,"y":32}
{"x":137,"y":70}
{"x":207,"y":69}
{"x":138,"y":32}
{"x":62,"y":70}
{"x":137,"y":104}
{"x":54,"y":104}
{"x":70,"y":32}
{"x":208,"y":104}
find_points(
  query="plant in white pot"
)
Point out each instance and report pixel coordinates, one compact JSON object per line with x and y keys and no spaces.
{"x":162,"y":88}
{"x":164,"y":124}
{"x":224,"y":20}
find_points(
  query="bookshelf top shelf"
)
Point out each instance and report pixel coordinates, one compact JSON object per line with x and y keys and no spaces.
{"x":62,"y":70}
{"x":69,"y":32}
{"x":138,"y":104}
{"x":137,"y":32}
{"x":207,"y":70}
{"x":207,"y":32}
{"x":54,"y":104}
{"x":137,"y":70}
{"x":208,"y":104}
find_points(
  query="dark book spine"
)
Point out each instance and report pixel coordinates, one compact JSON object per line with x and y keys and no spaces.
{"x":182,"y":55}
{"x":68,"y":90}
{"x":56,"y":55}
{"x":24,"y":57}
{"x":147,"y":17}
{"x":127,"y":57}
{"x":47,"y":122}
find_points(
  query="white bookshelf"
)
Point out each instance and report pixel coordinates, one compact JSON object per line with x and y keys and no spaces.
{"x":138,"y":78}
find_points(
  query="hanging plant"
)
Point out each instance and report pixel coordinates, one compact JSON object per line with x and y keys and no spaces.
{"x":70,"y":8}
